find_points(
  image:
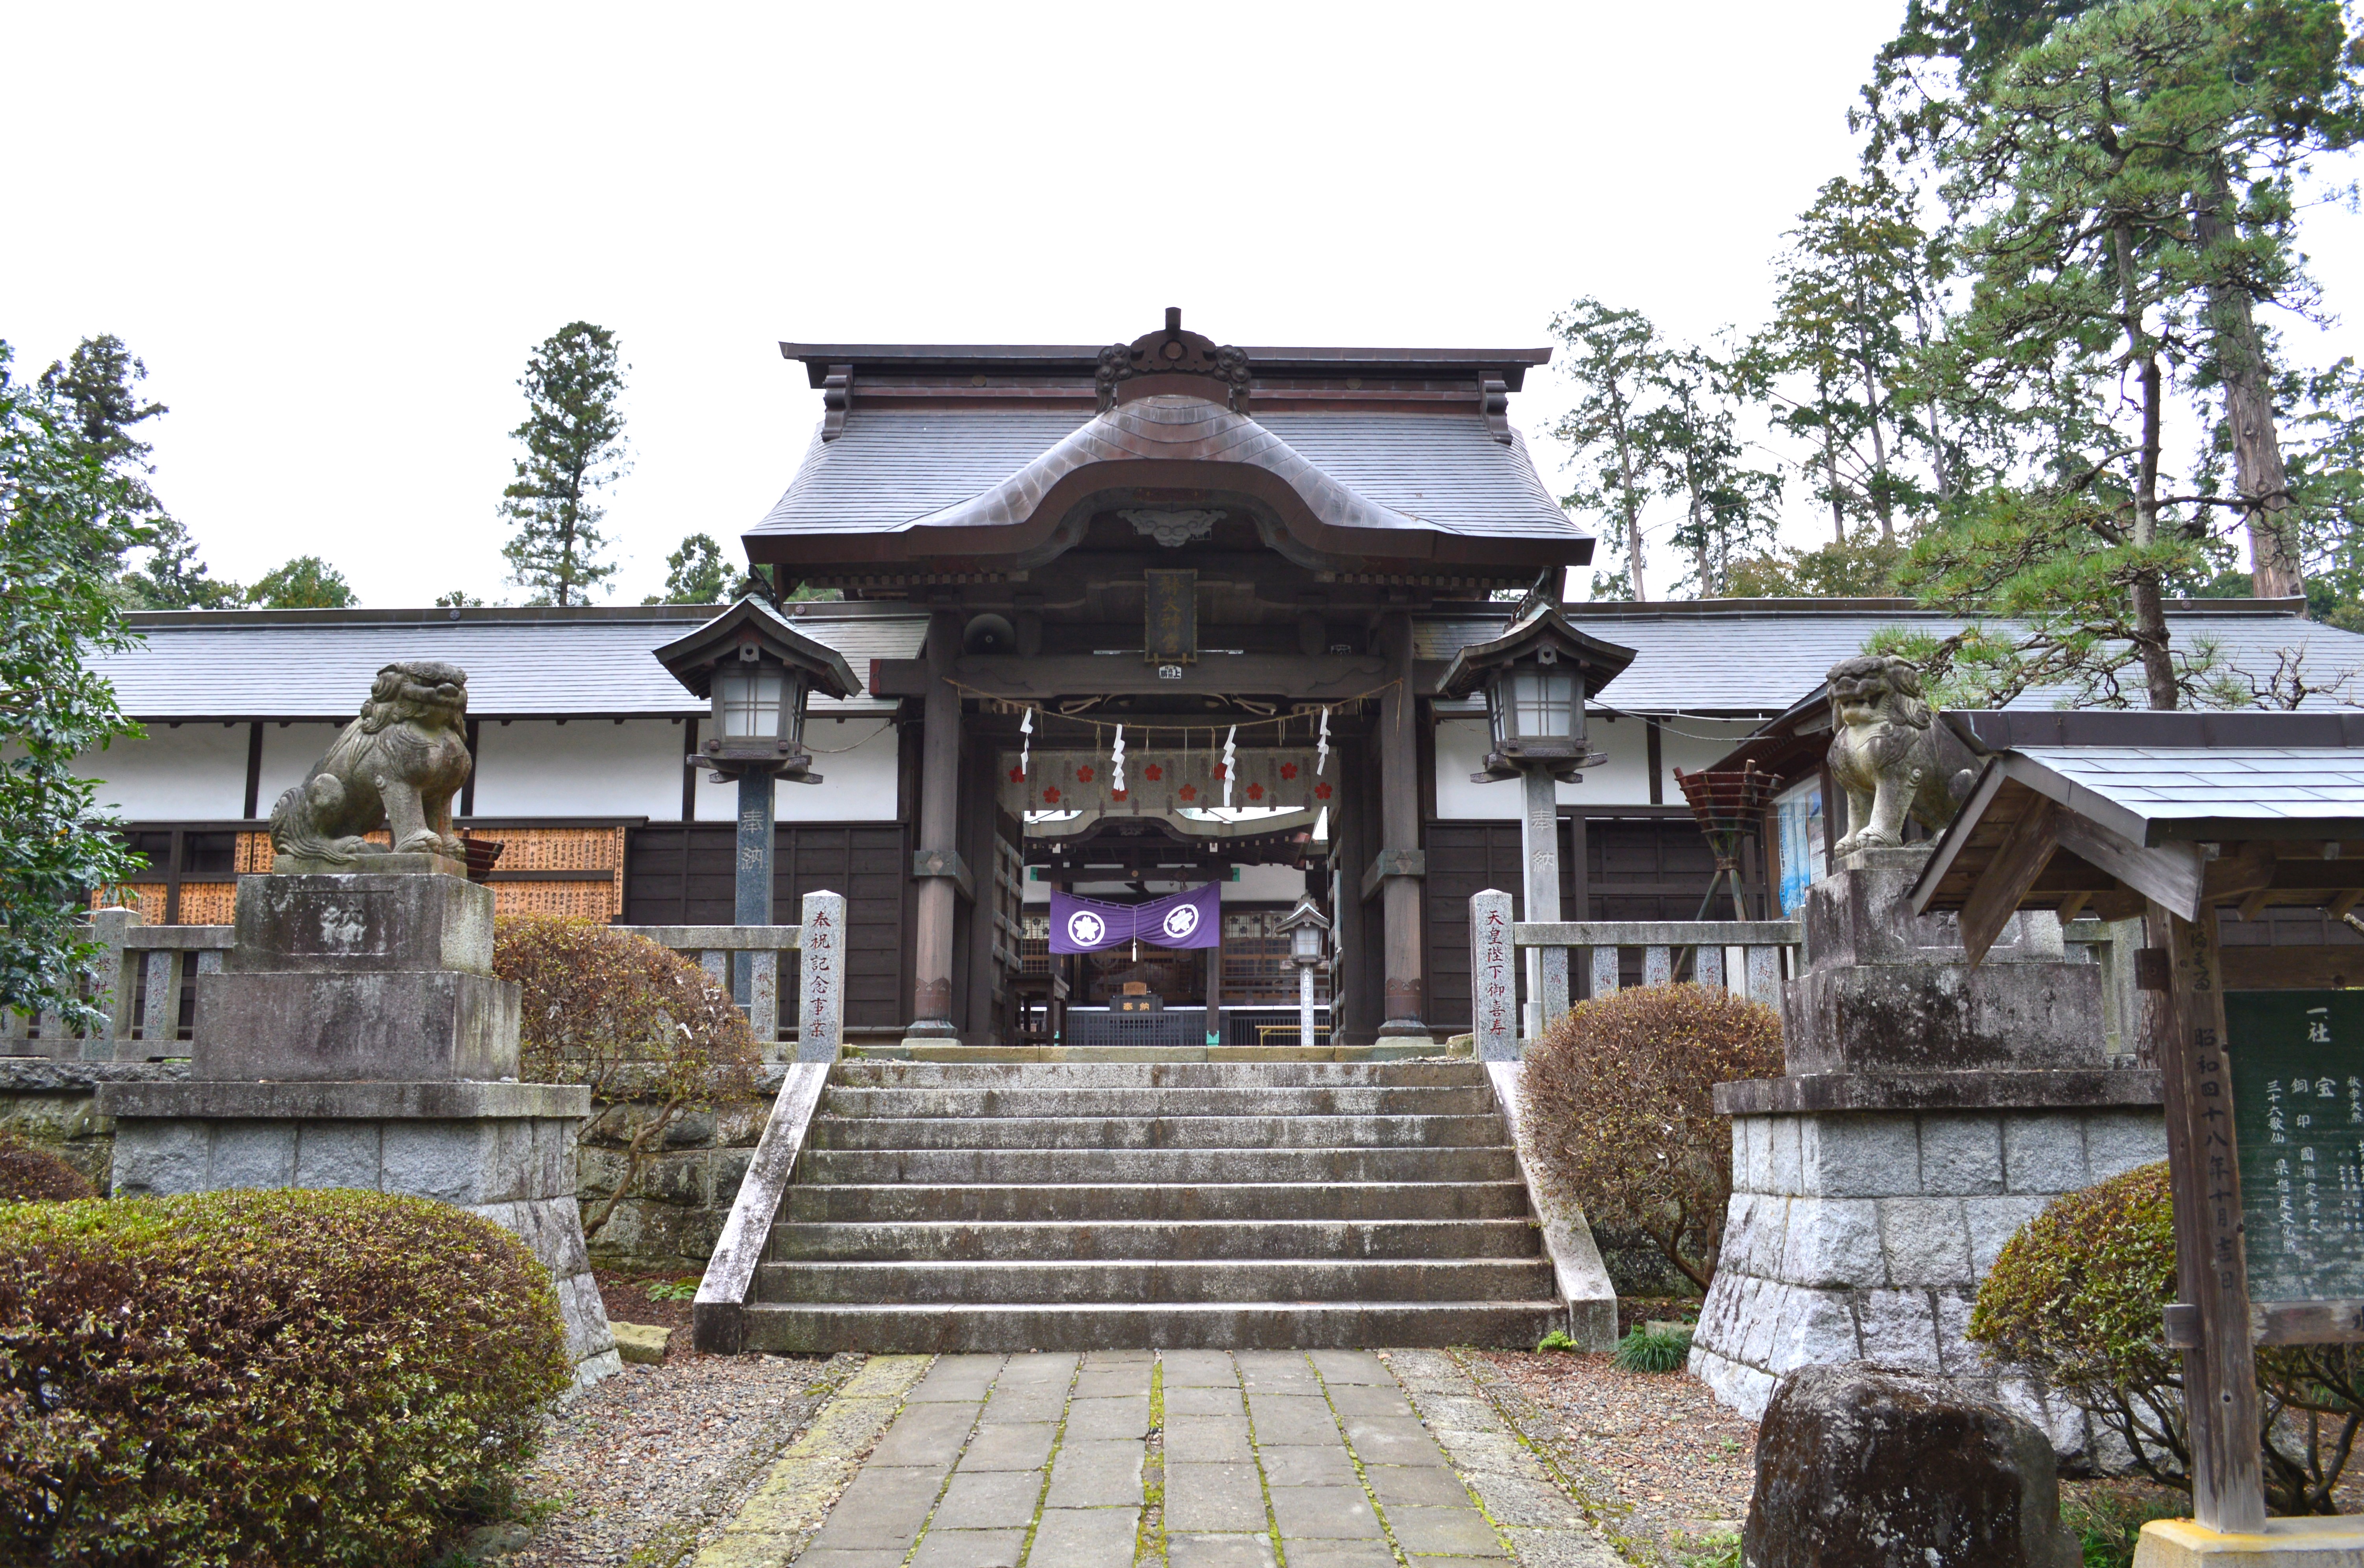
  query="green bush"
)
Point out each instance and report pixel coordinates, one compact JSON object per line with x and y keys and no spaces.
{"x":29,"y":1173}
{"x":1646,"y":1350}
{"x":1618,"y":1098}
{"x":250,"y":1379}
{"x":2078,"y":1296}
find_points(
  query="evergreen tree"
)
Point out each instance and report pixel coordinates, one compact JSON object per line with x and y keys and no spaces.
{"x":67,"y":512}
{"x":458,"y":599}
{"x":1689,"y":437}
{"x":696,"y":573}
{"x":575,"y":446}
{"x":1615,"y":356}
{"x":307,"y":583}
{"x":174,"y":579}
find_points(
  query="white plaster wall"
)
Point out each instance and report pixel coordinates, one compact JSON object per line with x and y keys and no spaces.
{"x":858,"y":785}
{"x":583,"y":768}
{"x":1623,"y":780}
{"x":194,"y":773}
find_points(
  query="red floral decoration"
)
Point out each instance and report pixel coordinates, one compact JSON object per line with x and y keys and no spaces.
{"x":1288,"y":770}
{"x":1083,"y":776}
{"x":1017,"y":775}
{"x":1189,"y":791}
{"x":1153,"y":772}
{"x":1117,"y":794}
{"x":1050,"y":795}
{"x":1321,"y":792}
{"x":1256,"y":791}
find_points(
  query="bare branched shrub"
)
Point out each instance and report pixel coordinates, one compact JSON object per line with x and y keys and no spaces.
{"x":649,"y":1030}
{"x":1619,"y":1099}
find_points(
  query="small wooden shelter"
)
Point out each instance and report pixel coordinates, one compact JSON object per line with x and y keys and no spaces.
{"x":2202,"y":823}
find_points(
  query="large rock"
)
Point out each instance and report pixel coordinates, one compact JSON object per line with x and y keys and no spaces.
{"x":1861,"y":1468}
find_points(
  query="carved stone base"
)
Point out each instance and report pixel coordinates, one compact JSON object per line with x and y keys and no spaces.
{"x":409,"y":865}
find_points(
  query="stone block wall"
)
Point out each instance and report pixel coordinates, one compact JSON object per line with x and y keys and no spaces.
{"x":517,"y":1172}
{"x":666,"y":1224}
{"x":1864,"y":1236}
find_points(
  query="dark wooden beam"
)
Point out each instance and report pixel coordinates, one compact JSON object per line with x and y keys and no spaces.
{"x":2007,"y":878}
{"x":1328,"y":676}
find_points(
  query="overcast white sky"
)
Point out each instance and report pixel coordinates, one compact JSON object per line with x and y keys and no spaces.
{"x":334,"y":233}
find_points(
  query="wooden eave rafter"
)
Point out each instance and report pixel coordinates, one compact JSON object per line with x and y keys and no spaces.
{"x":2015,"y":846}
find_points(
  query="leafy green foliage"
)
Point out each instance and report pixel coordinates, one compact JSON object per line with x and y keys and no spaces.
{"x":647,"y":1029}
{"x":1556,"y":1339}
{"x":685,"y":1289}
{"x":1646,"y":1350}
{"x":307,"y":583}
{"x":262,"y":1377}
{"x":2077,"y":1296}
{"x":573,"y":436}
{"x":66,"y":517}
{"x":2108,"y":1517}
{"x":1858,"y":566}
{"x":458,"y":599}
{"x":174,"y":579}
{"x":1619,"y":1092}
{"x":696,"y":573}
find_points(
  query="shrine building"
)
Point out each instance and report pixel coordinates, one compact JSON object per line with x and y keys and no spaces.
{"x":1251,"y":567}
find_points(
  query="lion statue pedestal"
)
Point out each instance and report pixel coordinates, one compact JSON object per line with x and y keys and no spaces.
{"x":356,"y":1036}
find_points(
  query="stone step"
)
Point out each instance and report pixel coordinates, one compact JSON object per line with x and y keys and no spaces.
{"x":1415,"y":1051}
{"x":1146,"y":1132}
{"x":1245,"y":1326}
{"x":1266,"y":1239}
{"x":1057,"y":1281}
{"x":1369,"y":1099}
{"x":871,"y":1167}
{"x":1160,"y":1075}
{"x":1099,"y":1202}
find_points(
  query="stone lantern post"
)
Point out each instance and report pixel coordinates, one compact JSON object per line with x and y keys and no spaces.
{"x":758,"y":672}
{"x":1309,"y":934}
{"x":1536,"y":677}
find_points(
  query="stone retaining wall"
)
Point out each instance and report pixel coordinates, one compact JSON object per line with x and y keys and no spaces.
{"x":1864,"y":1236}
{"x":666,"y":1225}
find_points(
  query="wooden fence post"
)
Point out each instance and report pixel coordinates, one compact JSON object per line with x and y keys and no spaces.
{"x":821,"y":987}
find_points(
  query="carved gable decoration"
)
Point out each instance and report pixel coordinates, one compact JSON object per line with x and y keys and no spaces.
{"x":1172,"y":360}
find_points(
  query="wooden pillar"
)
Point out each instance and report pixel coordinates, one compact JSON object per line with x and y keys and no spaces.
{"x":937,"y":863}
{"x":1399,"y":866}
{"x":2220,"y":1382}
{"x":978,"y":846}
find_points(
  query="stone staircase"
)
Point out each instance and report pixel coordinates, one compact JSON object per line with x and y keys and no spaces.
{"x":1007,"y":1207}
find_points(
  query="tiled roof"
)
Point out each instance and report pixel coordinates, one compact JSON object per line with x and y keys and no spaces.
{"x":520,"y":663}
{"x":2184,"y":784}
{"x":889,"y":469}
{"x":1757,"y":657}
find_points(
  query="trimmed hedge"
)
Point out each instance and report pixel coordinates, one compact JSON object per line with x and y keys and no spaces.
{"x":1619,"y":1099}
{"x":29,"y":1173}
{"x":249,"y":1379}
{"x":2078,"y":1296}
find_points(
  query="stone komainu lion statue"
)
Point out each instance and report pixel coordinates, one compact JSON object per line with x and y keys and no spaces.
{"x":395,"y":767}
{"x":1888,"y":756}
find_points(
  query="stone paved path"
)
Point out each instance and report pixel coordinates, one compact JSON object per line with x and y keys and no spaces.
{"x":1193,"y":1459}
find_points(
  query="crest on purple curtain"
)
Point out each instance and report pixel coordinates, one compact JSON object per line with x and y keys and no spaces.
{"x":1192,"y":919}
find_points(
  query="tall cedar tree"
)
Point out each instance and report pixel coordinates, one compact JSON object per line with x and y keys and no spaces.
{"x":2274,"y":84}
{"x":1614,"y":355}
{"x":1690,"y":436}
{"x":99,"y":386}
{"x":67,"y":515}
{"x":573,"y":436}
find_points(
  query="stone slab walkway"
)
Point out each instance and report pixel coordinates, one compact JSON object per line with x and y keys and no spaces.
{"x":1192,"y":1458}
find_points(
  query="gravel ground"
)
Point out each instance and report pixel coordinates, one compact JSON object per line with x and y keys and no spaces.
{"x":639,"y":1468}
{"x":1663,"y":1465}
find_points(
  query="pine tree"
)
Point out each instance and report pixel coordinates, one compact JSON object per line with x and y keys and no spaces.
{"x":1614,"y":356}
{"x":696,"y":573}
{"x":307,"y":583}
{"x":1689,"y":440}
{"x":573,"y":437}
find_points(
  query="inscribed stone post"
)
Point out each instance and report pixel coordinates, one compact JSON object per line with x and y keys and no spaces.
{"x":1493,"y":977}
{"x":820,"y":999}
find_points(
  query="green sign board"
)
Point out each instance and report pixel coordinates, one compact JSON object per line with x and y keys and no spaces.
{"x":2297,"y":1060}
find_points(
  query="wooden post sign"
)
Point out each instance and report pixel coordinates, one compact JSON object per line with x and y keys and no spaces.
{"x":1493,"y":977}
{"x":820,"y":989}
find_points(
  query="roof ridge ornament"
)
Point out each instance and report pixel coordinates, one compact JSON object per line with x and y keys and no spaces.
{"x":1160,"y":362}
